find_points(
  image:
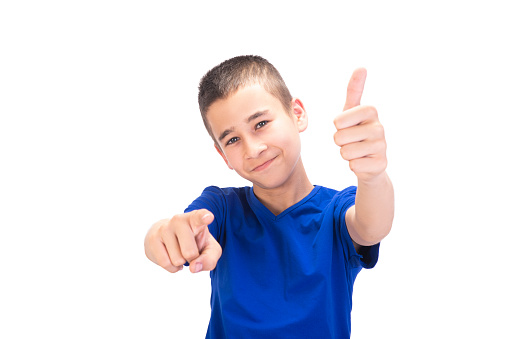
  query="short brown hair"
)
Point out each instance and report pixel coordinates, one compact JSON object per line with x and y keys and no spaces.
{"x":235,"y":73}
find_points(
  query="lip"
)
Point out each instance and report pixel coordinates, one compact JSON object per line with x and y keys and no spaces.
{"x":264,"y":165}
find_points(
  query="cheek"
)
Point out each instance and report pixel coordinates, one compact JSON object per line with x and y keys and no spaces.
{"x":233,"y":158}
{"x":288,"y":139}
{"x":283,"y":134}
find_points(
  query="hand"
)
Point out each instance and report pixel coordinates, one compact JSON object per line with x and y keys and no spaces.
{"x":359,"y":132}
{"x":170,"y":243}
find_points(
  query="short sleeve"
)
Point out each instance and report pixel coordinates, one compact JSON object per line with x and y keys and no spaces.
{"x":367,"y":256}
{"x":213,"y":200}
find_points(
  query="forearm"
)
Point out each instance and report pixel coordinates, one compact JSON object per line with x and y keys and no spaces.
{"x":374,"y":208}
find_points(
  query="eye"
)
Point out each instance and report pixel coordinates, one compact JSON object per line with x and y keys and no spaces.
{"x":232,"y":141}
{"x":261,"y":124}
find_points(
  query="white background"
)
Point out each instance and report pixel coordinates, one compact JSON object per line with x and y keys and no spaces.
{"x":100,"y":136}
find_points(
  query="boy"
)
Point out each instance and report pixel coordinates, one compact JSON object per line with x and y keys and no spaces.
{"x":283,"y":254}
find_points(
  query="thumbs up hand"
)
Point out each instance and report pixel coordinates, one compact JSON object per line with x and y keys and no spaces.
{"x":359,"y":132}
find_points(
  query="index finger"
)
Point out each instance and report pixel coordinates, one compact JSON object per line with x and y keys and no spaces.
{"x":198,"y":219}
{"x":355,"y":88}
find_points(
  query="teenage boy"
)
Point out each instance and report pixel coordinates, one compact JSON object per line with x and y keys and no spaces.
{"x":283,"y":254}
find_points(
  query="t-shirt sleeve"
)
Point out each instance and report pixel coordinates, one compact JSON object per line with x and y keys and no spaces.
{"x":367,"y":256}
{"x":213,"y":200}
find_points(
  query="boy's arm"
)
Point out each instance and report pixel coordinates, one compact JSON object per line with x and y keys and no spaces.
{"x":370,"y":219}
{"x":361,"y":138}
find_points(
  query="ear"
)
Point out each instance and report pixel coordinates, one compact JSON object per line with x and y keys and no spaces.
{"x":223,"y":156}
{"x":300,"y":113}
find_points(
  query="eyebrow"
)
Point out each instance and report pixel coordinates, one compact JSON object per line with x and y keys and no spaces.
{"x":249,"y":119}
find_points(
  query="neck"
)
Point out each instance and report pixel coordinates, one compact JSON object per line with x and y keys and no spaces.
{"x":278,"y":199}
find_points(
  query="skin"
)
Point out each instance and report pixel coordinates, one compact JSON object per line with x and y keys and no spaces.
{"x":260,"y":141}
{"x":361,"y":138}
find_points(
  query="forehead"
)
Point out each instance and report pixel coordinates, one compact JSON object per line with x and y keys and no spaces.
{"x":238,"y":106}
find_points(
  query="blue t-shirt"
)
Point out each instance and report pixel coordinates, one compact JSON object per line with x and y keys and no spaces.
{"x":284,"y":276}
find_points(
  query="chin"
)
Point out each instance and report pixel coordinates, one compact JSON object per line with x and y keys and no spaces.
{"x":271,"y":179}
{"x":270,"y":183}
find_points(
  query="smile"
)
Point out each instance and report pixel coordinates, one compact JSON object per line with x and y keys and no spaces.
{"x":263,"y":165}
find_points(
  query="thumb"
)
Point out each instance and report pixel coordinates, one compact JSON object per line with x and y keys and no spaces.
{"x":355,"y":88}
{"x":208,"y":257}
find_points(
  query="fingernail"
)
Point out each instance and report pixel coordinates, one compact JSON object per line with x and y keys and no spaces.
{"x":198,"y":267}
{"x":205,"y":216}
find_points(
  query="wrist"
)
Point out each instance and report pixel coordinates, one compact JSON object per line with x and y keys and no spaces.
{"x":373,"y":180}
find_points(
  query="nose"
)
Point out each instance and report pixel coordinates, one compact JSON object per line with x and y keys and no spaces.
{"x":254,"y":147}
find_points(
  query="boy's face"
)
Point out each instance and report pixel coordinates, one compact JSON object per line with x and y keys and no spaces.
{"x":257,"y":137}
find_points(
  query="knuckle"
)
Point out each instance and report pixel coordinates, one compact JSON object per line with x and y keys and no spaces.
{"x":162,"y":222}
{"x":344,"y":153}
{"x":179,"y":262}
{"x":337,"y":139}
{"x":380,"y":146}
{"x":372,"y":111}
{"x":338,"y":122}
{"x":148,"y":253}
{"x":175,"y":219}
{"x":190,"y":218}
{"x":176,"y":259}
{"x":165,"y":264}
{"x":352,"y":166}
{"x":380,"y":130}
{"x":154,"y":232}
{"x":173,"y":224}
{"x":190,"y":255}
{"x":171,"y":268}
{"x":163,"y":225}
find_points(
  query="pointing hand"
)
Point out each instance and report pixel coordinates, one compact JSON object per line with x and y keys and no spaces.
{"x":170,"y":243}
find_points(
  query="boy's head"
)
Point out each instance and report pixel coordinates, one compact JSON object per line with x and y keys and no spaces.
{"x":238,"y":72}
{"x":253,"y":120}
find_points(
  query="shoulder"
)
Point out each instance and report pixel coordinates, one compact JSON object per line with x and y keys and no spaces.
{"x":338,"y":202}
{"x":337,"y":196}
{"x":328,"y":201}
{"x":220,"y":197}
{"x":226,"y":192}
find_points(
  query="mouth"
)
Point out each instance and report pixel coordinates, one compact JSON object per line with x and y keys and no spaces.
{"x":264,"y":165}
